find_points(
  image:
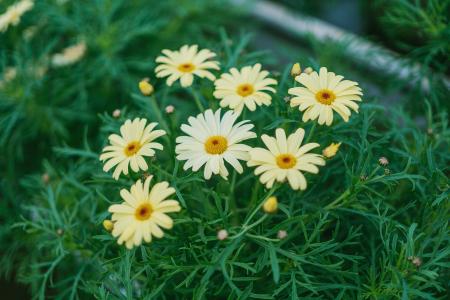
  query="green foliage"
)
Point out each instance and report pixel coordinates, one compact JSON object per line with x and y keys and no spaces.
{"x":351,"y":235}
{"x":421,"y":28}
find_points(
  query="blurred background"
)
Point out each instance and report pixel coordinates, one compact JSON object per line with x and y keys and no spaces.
{"x":397,"y":49}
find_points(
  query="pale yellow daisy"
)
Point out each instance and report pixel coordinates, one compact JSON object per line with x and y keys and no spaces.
{"x":14,"y":13}
{"x":186,"y":63}
{"x":212,"y":141}
{"x":129,"y":149}
{"x":285,"y":159}
{"x":9,"y":74}
{"x":69,"y":55}
{"x":324,"y":93}
{"x":143,"y":213}
{"x":248,"y":87}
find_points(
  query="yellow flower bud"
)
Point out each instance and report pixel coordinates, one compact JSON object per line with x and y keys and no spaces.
{"x":271,"y":205}
{"x":146,"y":87}
{"x":331,"y":150}
{"x":108,"y":225}
{"x":296,"y":70}
{"x":308,"y":70}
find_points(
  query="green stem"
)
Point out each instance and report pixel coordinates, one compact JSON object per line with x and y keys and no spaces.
{"x":197,"y":100}
{"x":333,"y":204}
{"x":233,"y":204}
{"x":311,"y":132}
{"x":162,"y":121}
{"x":270,"y":193}
{"x":245,"y":226}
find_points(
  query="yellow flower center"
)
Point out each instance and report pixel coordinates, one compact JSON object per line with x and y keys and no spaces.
{"x":286,"y":161}
{"x":186,"y":67}
{"x":132,"y":148}
{"x":216,"y":144}
{"x":325,"y":96}
{"x":143,"y":212}
{"x":245,"y":89}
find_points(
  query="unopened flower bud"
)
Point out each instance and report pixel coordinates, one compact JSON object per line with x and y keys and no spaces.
{"x":271,"y":205}
{"x":145,"y":87}
{"x":281,"y":234}
{"x":331,"y":150}
{"x":59,"y":232}
{"x":108,"y":225}
{"x":222,"y":234}
{"x":308,"y":70}
{"x":296,"y":70}
{"x":116,"y":113}
{"x":383,"y":161}
{"x":170,"y":109}
{"x":415,"y":260}
{"x":45,"y":178}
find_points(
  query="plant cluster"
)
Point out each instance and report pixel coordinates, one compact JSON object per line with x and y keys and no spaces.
{"x":210,"y":174}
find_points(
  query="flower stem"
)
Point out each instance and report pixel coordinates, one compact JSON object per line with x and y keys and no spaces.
{"x":197,"y":100}
{"x":334,"y":204}
{"x":245,"y":226}
{"x":235,"y":215}
{"x":313,"y":127}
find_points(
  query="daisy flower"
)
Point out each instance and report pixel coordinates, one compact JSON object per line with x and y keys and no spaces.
{"x":130,"y":148}
{"x":324,"y":92}
{"x":69,"y":55}
{"x":143,"y":213}
{"x":285,"y":159}
{"x":212,"y":140}
{"x":14,"y":13}
{"x":247,"y":87}
{"x":186,"y":63}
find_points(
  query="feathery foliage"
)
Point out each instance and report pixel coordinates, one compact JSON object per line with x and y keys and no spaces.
{"x":360,"y":230}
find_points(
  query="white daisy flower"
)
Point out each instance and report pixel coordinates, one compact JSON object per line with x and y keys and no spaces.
{"x":247,"y":87}
{"x":324,"y":92}
{"x":143,"y":213}
{"x":212,"y":140}
{"x":131,"y":147}
{"x":285,"y":159}
{"x":186,"y":63}
{"x":14,"y":13}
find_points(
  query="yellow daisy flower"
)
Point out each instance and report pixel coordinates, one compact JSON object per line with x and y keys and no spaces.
{"x":285,"y":159}
{"x":14,"y":13}
{"x":324,"y":92}
{"x":212,"y":140}
{"x":130,"y":148}
{"x":186,"y":63}
{"x":248,"y":87}
{"x":143,"y":213}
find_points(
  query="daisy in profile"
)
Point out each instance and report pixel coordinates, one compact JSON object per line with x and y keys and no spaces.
{"x":69,"y":55}
{"x":129,"y":149}
{"x":14,"y":13}
{"x":212,"y":141}
{"x":285,"y":159}
{"x":324,"y":93}
{"x":186,"y":63}
{"x":143,"y":213}
{"x":248,"y":87}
